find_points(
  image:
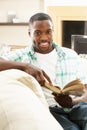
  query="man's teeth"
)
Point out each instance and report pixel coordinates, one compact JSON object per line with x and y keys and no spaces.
{"x":44,"y":44}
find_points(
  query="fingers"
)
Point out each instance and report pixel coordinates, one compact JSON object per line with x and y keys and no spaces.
{"x":38,"y":74}
{"x":47,"y":77}
{"x":55,"y":94}
{"x":41,"y":77}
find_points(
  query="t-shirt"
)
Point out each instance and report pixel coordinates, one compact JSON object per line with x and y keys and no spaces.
{"x":45,"y":60}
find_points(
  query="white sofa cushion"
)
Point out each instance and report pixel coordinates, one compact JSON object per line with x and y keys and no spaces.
{"x":18,"y":76}
{"x":20,"y":107}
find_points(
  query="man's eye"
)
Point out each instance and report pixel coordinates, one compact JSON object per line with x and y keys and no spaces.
{"x":37,"y":33}
{"x":49,"y":32}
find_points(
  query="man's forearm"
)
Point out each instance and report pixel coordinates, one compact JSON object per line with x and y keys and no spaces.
{"x":5,"y":64}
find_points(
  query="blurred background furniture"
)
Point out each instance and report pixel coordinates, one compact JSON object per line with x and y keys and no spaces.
{"x":79,"y":43}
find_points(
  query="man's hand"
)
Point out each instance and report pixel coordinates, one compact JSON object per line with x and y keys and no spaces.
{"x":63,"y":100}
{"x":81,"y":98}
{"x":37,"y":73}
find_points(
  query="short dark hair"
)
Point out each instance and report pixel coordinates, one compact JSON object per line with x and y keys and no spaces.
{"x":39,"y":16}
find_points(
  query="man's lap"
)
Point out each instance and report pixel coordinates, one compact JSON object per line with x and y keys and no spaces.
{"x":76,"y":117}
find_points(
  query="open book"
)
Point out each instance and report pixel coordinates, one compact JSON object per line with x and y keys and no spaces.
{"x":75,"y":85}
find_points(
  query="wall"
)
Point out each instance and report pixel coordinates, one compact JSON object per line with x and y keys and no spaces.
{"x":65,"y":13}
{"x":61,"y":10}
{"x":24,"y":9}
{"x":65,"y":2}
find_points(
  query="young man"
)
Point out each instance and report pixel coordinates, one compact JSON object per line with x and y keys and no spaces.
{"x":47,"y":61}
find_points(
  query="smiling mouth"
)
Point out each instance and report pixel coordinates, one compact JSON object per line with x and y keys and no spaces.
{"x":44,"y":44}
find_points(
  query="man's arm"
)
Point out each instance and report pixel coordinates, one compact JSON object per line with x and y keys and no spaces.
{"x":37,"y":73}
{"x":82,"y":98}
{"x":5,"y":64}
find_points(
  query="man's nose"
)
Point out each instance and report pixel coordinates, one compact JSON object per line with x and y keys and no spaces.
{"x":44,"y":36}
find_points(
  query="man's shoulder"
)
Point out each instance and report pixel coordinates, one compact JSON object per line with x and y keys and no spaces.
{"x":64,"y":49}
{"x":65,"y":52}
{"x":68,"y":51}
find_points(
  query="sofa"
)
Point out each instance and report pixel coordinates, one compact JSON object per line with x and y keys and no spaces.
{"x":22,"y":103}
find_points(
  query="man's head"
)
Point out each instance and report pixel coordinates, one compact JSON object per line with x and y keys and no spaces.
{"x":41,"y":32}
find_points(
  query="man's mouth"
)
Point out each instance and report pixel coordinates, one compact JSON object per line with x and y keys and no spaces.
{"x":44,"y":44}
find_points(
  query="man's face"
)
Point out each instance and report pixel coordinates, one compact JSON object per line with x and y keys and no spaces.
{"x":41,"y":33}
